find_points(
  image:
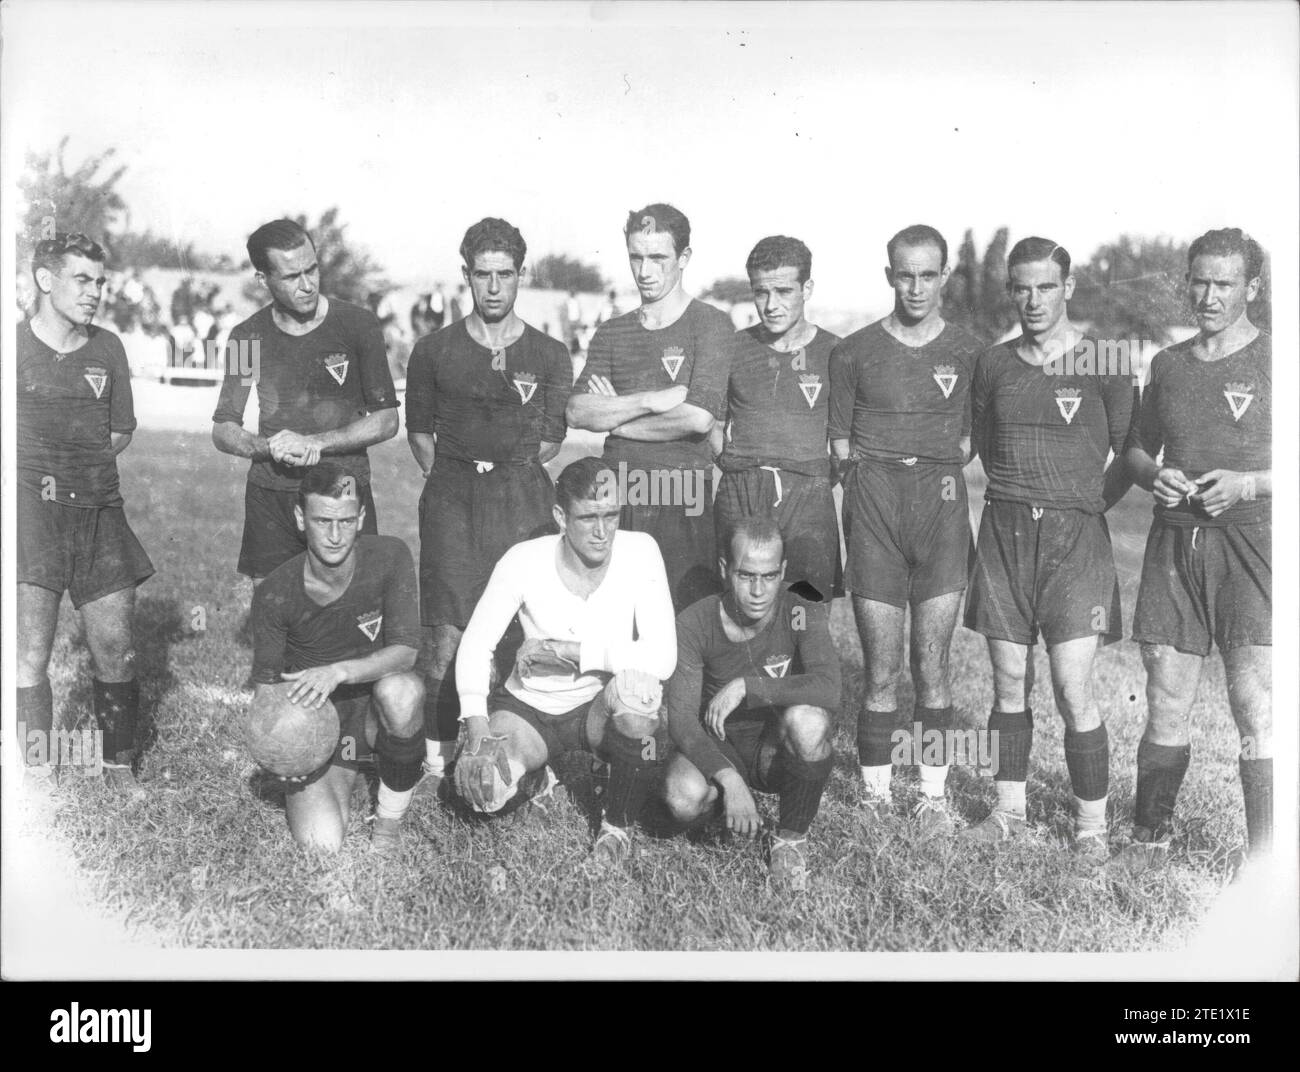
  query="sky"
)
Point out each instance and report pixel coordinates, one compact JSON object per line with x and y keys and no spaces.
{"x":838,"y":123}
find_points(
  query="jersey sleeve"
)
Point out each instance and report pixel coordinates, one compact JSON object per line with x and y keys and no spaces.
{"x":234,"y":389}
{"x":654,"y":649}
{"x":421,"y":406}
{"x":377,"y":390}
{"x":270,"y":632}
{"x":1146,"y":432}
{"x":979,"y":403}
{"x":499,"y":603}
{"x":968,"y":366}
{"x":401,"y":604}
{"x":818,"y":685}
{"x":1118,"y":396}
{"x":715,"y":346}
{"x":121,"y":406}
{"x":600,"y":358}
{"x":844,"y":389}
{"x":559,"y":384}
{"x":685,"y":692}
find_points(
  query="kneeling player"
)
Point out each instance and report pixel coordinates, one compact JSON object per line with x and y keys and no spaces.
{"x":341,"y":620}
{"x":598,"y":641}
{"x":756,"y":669}
{"x":1208,"y":569}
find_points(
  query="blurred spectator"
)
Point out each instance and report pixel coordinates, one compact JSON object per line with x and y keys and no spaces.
{"x":462,"y":303}
{"x":608,"y":308}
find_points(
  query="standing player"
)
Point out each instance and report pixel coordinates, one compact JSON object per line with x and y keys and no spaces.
{"x":484,"y":413}
{"x":75,"y":415}
{"x":749,"y":703}
{"x":899,"y":410}
{"x":599,"y":641}
{"x":1043,"y":426}
{"x":1208,"y":571}
{"x":655,"y":381}
{"x":772,"y":445}
{"x":323,"y":390}
{"x":341,"y":621}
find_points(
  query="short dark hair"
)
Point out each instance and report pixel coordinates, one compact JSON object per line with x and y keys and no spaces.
{"x":492,"y":235}
{"x":582,"y":479}
{"x":330,"y":480}
{"x":50,"y":253}
{"x":753,"y":528}
{"x":1228,"y":242}
{"x":1029,"y":250}
{"x":780,"y":251}
{"x":283,"y":235}
{"x":918,"y":234}
{"x":660,"y":217}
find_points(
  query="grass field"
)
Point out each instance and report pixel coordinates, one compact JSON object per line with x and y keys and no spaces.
{"x":200,"y":852}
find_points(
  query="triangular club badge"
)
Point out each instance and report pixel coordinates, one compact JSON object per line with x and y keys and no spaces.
{"x":1069,"y":406}
{"x":777,"y":667}
{"x":98,"y":381}
{"x":526,"y":389}
{"x":946,"y":381}
{"x":370,"y":624}
{"x":811,"y":386}
{"x":672,"y":362}
{"x":339,"y":370}
{"x":1238,"y":402}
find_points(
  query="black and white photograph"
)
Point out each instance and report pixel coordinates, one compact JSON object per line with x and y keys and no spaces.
{"x":645,"y":490}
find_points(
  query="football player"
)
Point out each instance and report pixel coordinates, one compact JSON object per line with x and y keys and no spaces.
{"x":749,"y":705}
{"x":1045,"y":417}
{"x":772,"y":446}
{"x":900,"y":422}
{"x":323,"y":391}
{"x":485,"y":403}
{"x":599,"y":642}
{"x":1208,"y":569}
{"x":75,"y":416}
{"x":341,"y":621}
{"x":655,"y":381}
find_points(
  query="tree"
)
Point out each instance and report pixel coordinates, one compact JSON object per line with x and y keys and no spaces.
{"x":148,"y":250}
{"x":60,"y":200}
{"x":995,"y":313}
{"x":731,"y":289}
{"x":558,"y":271}
{"x":347,"y":271}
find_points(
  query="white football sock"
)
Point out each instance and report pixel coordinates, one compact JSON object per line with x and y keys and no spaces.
{"x":437,"y":754}
{"x":392,"y":804}
{"x":933,"y":779}
{"x":1011,"y":798}
{"x":1089,"y":815}
{"x":876,"y":779}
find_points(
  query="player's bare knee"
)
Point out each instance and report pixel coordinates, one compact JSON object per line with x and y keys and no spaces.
{"x":686,"y":792}
{"x":806,"y":731}
{"x":400,"y":698}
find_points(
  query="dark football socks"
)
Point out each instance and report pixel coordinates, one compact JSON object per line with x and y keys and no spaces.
{"x":36,"y":715}
{"x":802,"y":784}
{"x":441,"y":707}
{"x":398,"y":759}
{"x":629,"y":787}
{"x":1257,"y":790}
{"x":116,"y":706}
{"x":1160,"y":772}
{"x":1087,"y":758}
{"x":875,"y":737}
{"x":1015,"y":740}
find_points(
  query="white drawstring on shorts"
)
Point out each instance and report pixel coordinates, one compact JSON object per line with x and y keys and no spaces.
{"x":776,"y":475}
{"x":484,"y":467}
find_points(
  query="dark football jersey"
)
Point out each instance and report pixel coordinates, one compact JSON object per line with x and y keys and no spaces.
{"x":695,"y":350}
{"x":318,"y":382}
{"x":68,"y":405}
{"x":777,"y":403}
{"x":1044,"y":434}
{"x":485,"y":405}
{"x":291,"y":632}
{"x":1210,"y":415}
{"x":893,"y":401}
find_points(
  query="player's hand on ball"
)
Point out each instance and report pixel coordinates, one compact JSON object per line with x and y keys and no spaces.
{"x":738,"y":804}
{"x":1171,"y":487}
{"x":668,"y":398}
{"x":724,"y":701}
{"x":474,"y":770}
{"x":313,"y":686}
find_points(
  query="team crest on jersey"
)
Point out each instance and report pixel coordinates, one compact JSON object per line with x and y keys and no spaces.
{"x":370,"y":623}
{"x":672,"y":360}
{"x":98,"y":380}
{"x":1239,"y":396}
{"x":811,"y":386}
{"x":777,"y":665}
{"x":526,"y":385}
{"x":1067,"y":401}
{"x":337,"y":366}
{"x":946,"y":377}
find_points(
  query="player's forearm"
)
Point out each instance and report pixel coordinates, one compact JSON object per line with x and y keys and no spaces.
{"x":231,"y":438}
{"x":1263,"y":483}
{"x":362,"y":433}
{"x":394,"y":659}
{"x":547,"y":451}
{"x":691,"y":739}
{"x":1117,"y":481}
{"x":1142,"y":468}
{"x":682,"y":420}
{"x":119,"y":441}
{"x":840,"y":448}
{"x":423,"y":448}
{"x":603,"y":413}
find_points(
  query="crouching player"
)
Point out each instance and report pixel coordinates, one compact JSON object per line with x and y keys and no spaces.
{"x":598,"y":642}
{"x":342,"y":621}
{"x":749,"y":704}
